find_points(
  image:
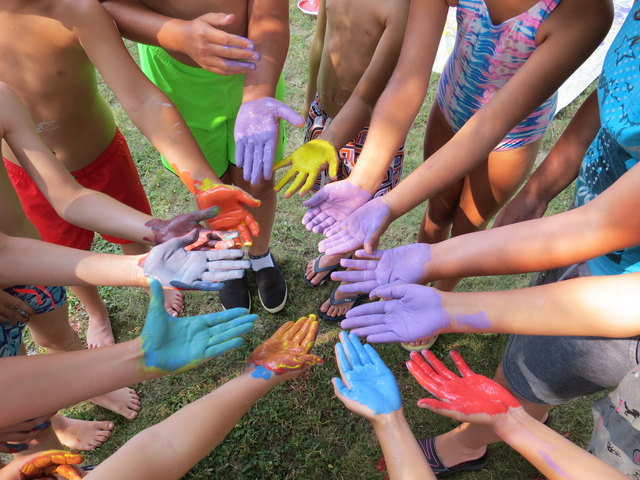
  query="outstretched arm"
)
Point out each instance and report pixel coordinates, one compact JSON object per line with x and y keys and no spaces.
{"x":367,"y":387}
{"x":169,"y":449}
{"x":166,"y":345}
{"x":477,"y":399}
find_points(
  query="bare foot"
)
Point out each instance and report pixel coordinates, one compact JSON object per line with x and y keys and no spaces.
{"x":337,"y":310}
{"x":124,"y":401}
{"x":99,"y":333}
{"x":452,"y":452}
{"x":314,"y":277}
{"x":81,"y":434}
{"x":173,"y":302}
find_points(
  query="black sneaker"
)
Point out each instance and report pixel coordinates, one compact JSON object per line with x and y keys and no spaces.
{"x":272,"y":289}
{"x":235,"y":294}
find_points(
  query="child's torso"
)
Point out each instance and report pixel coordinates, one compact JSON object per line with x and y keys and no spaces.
{"x":352,"y":34}
{"x":45,"y":65}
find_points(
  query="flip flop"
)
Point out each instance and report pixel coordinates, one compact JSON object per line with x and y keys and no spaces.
{"x":332,"y":300}
{"x":418,"y":348}
{"x":318,"y":269}
{"x":428,"y":446}
{"x":310,"y":7}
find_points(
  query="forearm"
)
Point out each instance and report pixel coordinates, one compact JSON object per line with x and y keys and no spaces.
{"x":352,"y":118}
{"x":402,"y":454}
{"x":589,"y":306}
{"x":315,"y":58}
{"x":28,"y":262}
{"x":562,"y":164}
{"x":268,"y":29}
{"x":67,"y":378}
{"x":169,"y":449}
{"x":551,"y":453}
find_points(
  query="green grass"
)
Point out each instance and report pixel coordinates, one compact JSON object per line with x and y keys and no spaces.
{"x":300,"y":430}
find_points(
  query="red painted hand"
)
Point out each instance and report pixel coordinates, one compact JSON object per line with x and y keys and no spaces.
{"x":233,"y":214}
{"x":287,"y":349}
{"x":471,"y":397}
{"x":50,"y":463}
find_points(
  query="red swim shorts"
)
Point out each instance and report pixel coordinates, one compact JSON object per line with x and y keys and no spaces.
{"x":112,"y":173}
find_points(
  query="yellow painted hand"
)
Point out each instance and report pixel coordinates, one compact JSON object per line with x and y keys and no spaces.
{"x":51,"y":463}
{"x":306,"y":163}
{"x":288,"y":349}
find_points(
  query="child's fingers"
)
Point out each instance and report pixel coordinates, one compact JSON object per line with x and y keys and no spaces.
{"x":463,"y":368}
{"x":293,"y":188}
{"x":285,"y":179}
{"x":312,"y":333}
{"x":301,"y":334}
{"x":438,"y":366}
{"x":284,"y":162}
{"x":281,"y":331}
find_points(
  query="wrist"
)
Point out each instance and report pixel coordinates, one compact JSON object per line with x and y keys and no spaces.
{"x":363,"y":181}
{"x":173,"y":35}
{"x":137,"y":275}
{"x":389,"y":421}
{"x":512,"y":424}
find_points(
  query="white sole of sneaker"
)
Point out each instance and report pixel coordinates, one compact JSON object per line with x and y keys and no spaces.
{"x":279,"y":307}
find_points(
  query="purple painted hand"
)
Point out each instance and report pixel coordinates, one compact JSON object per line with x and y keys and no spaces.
{"x":409,"y":312}
{"x":362,"y":227}
{"x":333,"y":203}
{"x":405,"y":264}
{"x":256,"y":134}
{"x":164,"y":230}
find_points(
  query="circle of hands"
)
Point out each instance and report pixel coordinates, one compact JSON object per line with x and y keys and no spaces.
{"x":288,"y":348}
{"x":468,"y":398}
{"x":51,"y":464}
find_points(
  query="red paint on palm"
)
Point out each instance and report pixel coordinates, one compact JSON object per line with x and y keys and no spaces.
{"x":51,"y":463}
{"x":288,"y":349}
{"x":468,"y":394}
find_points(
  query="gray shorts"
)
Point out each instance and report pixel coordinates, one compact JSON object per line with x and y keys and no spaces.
{"x":555,"y":369}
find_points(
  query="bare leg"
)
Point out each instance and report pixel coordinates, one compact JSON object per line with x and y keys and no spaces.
{"x":173,"y":302}
{"x":487,"y":189}
{"x":52,"y":331}
{"x":99,"y":333}
{"x":469,"y":441}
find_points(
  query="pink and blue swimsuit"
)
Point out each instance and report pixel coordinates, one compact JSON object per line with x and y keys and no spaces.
{"x":484,"y":58}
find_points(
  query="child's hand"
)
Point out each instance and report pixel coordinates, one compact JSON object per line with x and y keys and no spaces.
{"x":367,"y":387}
{"x":256,"y":134}
{"x":333,"y":203}
{"x":306,"y":163}
{"x":405,"y":264}
{"x":51,"y":463}
{"x":215,"y":240}
{"x":164,"y":230}
{"x":363,"y":227}
{"x":524,"y":206}
{"x":233,"y":214}
{"x":176,"y":344}
{"x":287,"y":350}
{"x":176,"y":267}
{"x":214,"y":49}
{"x":15,"y":438}
{"x":470,"y":398}
{"x":13,"y":310}
{"x":409,"y":312}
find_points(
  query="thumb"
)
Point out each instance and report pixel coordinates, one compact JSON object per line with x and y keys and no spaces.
{"x":219,"y":19}
{"x":284,"y":162}
{"x":156,"y":303}
{"x":187,"y":239}
{"x":316,"y":199}
{"x":309,"y":359}
{"x":286,"y":113}
{"x":333,"y":168}
{"x":205,"y":214}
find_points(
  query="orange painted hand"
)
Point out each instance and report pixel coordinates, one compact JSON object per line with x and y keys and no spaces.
{"x":306,"y":164}
{"x":233,"y":214}
{"x":288,"y":349}
{"x":50,"y":463}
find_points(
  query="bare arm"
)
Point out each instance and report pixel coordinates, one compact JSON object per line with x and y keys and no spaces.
{"x":565,"y":48}
{"x":407,"y":87}
{"x":197,"y":42}
{"x":558,"y":169}
{"x":356,"y":113}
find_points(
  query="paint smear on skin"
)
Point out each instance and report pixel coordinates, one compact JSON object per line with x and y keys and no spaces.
{"x":47,"y":126}
{"x":551,"y":463}
{"x":164,"y":104}
{"x":479,"y":321}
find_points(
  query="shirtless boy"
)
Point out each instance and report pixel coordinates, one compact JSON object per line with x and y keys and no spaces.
{"x":55,"y":78}
{"x":177,"y":38}
{"x":347,"y":73}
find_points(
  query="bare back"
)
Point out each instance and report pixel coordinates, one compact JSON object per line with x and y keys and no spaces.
{"x":45,"y":65}
{"x":351,"y":37}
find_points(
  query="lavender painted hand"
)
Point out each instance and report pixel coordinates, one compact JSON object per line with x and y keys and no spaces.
{"x":409,"y":312}
{"x":362,"y":227}
{"x":405,"y":264}
{"x":367,"y":386}
{"x":164,"y":230}
{"x":176,"y":267}
{"x":256,"y":134}
{"x":333,"y":203}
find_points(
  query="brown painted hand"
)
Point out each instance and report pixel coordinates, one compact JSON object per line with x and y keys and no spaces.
{"x":287,"y":349}
{"x":50,"y":463}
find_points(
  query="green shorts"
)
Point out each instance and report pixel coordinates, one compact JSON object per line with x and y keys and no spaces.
{"x":208,"y":102}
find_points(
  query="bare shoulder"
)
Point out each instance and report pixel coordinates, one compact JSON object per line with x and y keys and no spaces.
{"x":392,"y":10}
{"x":592,"y":18}
{"x":77,"y":12}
